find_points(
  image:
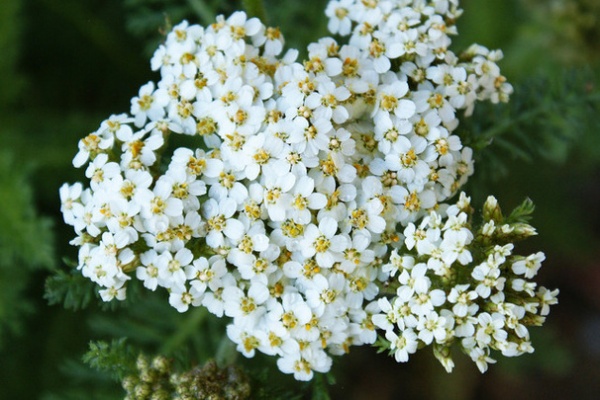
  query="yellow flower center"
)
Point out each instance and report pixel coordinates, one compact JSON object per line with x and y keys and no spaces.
{"x":322,"y":244}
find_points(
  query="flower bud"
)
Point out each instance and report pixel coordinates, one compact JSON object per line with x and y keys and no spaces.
{"x":161,"y":364}
{"x":142,"y":363}
{"x":142,"y":391}
{"x":442,"y":353}
{"x":523,"y":231}
{"x":129,"y":383}
{"x":491,"y":210}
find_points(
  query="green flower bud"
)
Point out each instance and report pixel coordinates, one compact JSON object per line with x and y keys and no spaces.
{"x":142,"y":391}
{"x":142,"y":363}
{"x":129,"y":383}
{"x":491,"y":210}
{"x":523,"y":231}
{"x":161,"y":364}
{"x":442,"y":353}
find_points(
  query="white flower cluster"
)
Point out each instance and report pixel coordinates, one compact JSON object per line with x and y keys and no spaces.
{"x":288,"y":198}
{"x":457,"y":284}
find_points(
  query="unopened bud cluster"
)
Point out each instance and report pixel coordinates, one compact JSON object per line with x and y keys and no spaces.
{"x":455,"y":284}
{"x":152,"y":381}
{"x":156,"y":380}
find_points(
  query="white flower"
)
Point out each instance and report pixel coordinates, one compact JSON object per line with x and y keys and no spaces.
{"x":391,"y":101}
{"x":293,"y":312}
{"x":546,"y":298}
{"x":101,"y":170}
{"x":389,"y":318}
{"x":244,"y":307}
{"x":322,"y":242}
{"x":481,"y":358}
{"x":431,"y":326}
{"x":529,"y":266}
{"x":247,"y":341}
{"x":181,"y":299}
{"x":409,"y":157}
{"x":294,"y":363}
{"x":424,"y":240}
{"x":403,"y":345}
{"x":521,"y":285}
{"x":454,"y":248}
{"x":339,"y":21}
{"x":424,"y":303}
{"x":171,"y":268}
{"x":305,"y":199}
{"x":277,"y":200}
{"x":145,"y":106}
{"x":326,"y":102}
{"x":463,"y":299}
{"x":115,"y":291}
{"x":382,"y":49}
{"x":206,"y":274}
{"x":196,"y":163}
{"x":490,"y":328}
{"x":213,"y":300}
{"x":414,"y":281}
{"x":227,"y":185}
{"x":139,"y":149}
{"x":92,"y":145}
{"x":157,"y":211}
{"x":70,"y":202}
{"x":319,"y":60}
{"x":262,"y":150}
{"x":489,"y":278}
{"x":220,"y":222}
{"x":149,"y":272}
{"x":303,"y":364}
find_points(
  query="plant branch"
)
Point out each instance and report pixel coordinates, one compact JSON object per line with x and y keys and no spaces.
{"x":187,"y":329}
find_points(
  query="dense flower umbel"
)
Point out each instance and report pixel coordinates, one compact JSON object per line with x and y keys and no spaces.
{"x":454,"y":283}
{"x":282,"y":214}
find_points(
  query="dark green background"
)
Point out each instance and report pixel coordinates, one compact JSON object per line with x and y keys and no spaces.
{"x":65,"y":65}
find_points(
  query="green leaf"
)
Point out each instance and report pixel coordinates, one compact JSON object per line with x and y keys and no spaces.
{"x":70,"y":289}
{"x":25,"y":243}
{"x":116,"y":358}
{"x":522,"y":213}
{"x":546,"y":117}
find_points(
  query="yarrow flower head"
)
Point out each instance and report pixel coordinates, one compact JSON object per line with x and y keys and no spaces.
{"x":286,"y":214}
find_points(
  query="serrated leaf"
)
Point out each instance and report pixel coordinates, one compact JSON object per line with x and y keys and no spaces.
{"x":116,"y":358}
{"x":71,"y":290}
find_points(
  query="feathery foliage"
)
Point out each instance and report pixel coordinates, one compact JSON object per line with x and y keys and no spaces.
{"x":26,"y":243}
{"x":546,"y":117}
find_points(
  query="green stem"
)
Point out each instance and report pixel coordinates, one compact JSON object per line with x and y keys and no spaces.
{"x":188,"y":328}
{"x":320,"y":390}
{"x":226,"y":353}
{"x":255,"y":8}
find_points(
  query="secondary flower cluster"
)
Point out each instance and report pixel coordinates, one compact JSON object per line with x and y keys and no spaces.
{"x":459,"y":284}
{"x":155,"y":379}
{"x":282,"y":209}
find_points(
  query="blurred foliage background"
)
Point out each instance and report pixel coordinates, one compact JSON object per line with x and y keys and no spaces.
{"x":68,"y":64}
